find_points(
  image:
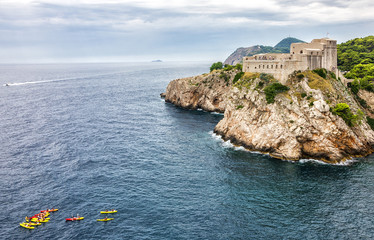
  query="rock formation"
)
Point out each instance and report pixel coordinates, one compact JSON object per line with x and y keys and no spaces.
{"x":298,"y":125}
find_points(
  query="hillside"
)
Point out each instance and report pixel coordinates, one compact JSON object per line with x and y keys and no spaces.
{"x":286,"y":42}
{"x":354,"y":51}
{"x":282,"y":47}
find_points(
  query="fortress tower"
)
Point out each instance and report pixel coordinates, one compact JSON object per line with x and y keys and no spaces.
{"x":320,"y":53}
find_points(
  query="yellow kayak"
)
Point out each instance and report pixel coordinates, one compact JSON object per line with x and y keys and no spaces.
{"x":42,"y":221}
{"x":110,"y":211}
{"x":34,"y":223}
{"x":104,"y":219}
{"x":25,"y":225}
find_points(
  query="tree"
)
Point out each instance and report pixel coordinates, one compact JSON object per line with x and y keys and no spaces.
{"x":217,"y":65}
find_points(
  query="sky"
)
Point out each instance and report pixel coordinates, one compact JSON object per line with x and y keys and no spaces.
{"x":36,"y":31}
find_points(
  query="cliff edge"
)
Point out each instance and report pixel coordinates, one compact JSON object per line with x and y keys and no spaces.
{"x":311,"y":116}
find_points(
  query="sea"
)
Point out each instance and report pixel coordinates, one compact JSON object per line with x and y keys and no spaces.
{"x":89,"y":137}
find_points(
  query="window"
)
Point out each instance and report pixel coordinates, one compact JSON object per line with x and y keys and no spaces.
{"x":301,"y":52}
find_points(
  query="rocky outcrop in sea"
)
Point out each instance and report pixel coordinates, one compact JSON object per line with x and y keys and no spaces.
{"x":300,"y":121}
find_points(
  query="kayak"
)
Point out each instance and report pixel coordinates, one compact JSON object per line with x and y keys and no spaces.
{"x":49,"y":210}
{"x":42,"y":221}
{"x":26,"y":226}
{"x":34,"y":223}
{"x":74,"y":219}
{"x":110,"y":211}
{"x":45,"y":214}
{"x":104,"y":219}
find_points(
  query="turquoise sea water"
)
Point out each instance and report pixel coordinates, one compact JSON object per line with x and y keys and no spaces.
{"x":88,"y":137}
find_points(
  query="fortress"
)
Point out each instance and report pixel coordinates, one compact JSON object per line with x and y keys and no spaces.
{"x":320,"y":53}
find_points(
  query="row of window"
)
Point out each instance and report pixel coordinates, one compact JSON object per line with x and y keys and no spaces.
{"x":269,"y":66}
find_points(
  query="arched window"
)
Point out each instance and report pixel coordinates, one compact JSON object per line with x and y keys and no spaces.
{"x":281,"y":66}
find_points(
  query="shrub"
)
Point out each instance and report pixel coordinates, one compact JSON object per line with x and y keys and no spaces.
{"x":300,"y":76}
{"x":370,"y":122}
{"x":239,"y":66}
{"x":303,"y":95}
{"x":224,"y":76}
{"x":239,"y":107}
{"x":333,"y":75}
{"x":266,"y":77}
{"x":228,"y":67}
{"x":355,"y":86}
{"x":321,"y":72}
{"x":237,"y":77}
{"x":260,"y":85}
{"x":217,"y":65}
{"x":273,"y":89}
{"x":343,"y":110}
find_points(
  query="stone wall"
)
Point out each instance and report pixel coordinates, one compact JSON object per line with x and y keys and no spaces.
{"x":320,"y":53}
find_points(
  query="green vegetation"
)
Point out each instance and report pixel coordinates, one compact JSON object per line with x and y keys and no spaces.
{"x":239,"y":66}
{"x":216,"y":66}
{"x":300,"y":76}
{"x":353,"y":52}
{"x":370,"y":122}
{"x":224,"y":76}
{"x":273,"y":89}
{"x":303,"y":95}
{"x":321,"y":72}
{"x":362,"y":70}
{"x":244,"y":80}
{"x":237,"y":77}
{"x":239,"y":107}
{"x":343,"y":110}
{"x":228,"y":67}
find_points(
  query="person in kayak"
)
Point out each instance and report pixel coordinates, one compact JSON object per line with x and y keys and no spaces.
{"x":26,"y":219}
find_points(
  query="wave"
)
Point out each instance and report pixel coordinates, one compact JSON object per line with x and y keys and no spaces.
{"x":228,"y":144}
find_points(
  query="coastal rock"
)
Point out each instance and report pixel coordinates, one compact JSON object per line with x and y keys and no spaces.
{"x":298,"y":125}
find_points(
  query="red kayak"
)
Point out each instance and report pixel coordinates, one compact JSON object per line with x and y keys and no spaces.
{"x":74,"y":219}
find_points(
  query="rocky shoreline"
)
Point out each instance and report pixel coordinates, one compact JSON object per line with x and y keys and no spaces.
{"x":299,"y":124}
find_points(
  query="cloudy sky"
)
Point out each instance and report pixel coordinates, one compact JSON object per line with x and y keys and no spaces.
{"x":171,"y":30}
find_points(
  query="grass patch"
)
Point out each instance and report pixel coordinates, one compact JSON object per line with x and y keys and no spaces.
{"x":317,"y":82}
{"x":245,"y":80}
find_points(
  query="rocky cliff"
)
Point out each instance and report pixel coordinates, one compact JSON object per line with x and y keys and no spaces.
{"x":298,"y":123}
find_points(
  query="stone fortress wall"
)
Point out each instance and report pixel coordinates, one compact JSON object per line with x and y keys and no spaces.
{"x":320,"y":53}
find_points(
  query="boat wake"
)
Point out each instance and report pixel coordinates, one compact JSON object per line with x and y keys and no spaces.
{"x":58,"y":80}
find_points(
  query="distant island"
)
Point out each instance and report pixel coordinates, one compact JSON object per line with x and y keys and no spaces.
{"x":313,"y":112}
{"x":158,"y":60}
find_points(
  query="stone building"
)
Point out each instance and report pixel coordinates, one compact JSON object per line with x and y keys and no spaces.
{"x":320,"y":53}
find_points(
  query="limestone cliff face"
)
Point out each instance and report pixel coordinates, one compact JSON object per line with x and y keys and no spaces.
{"x":208,"y":91}
{"x":299,"y":124}
{"x":369,"y":99}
